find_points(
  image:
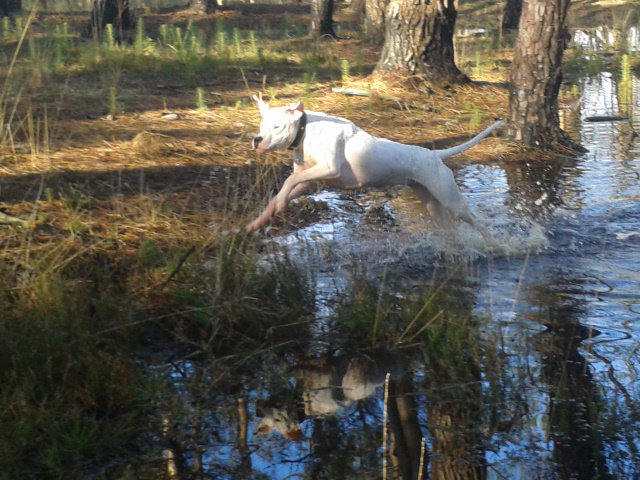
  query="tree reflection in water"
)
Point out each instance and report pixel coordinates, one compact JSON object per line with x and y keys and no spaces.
{"x":574,"y":402}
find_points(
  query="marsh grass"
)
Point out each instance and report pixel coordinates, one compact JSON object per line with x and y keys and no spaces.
{"x":79,"y":315}
{"x":70,"y":394}
{"x":244,"y":301}
{"x":384,"y":312}
{"x":625,"y":87}
{"x":140,"y":41}
{"x":137,"y":255}
{"x":476,"y":118}
{"x":83,"y":296}
{"x":113,"y":101}
{"x":53,"y":49}
{"x":6,"y":28}
{"x":345,"y":70}
{"x":201,"y":103}
{"x":578,"y":62}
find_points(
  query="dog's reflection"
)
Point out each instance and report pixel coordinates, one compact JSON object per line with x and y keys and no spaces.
{"x":325,"y":387}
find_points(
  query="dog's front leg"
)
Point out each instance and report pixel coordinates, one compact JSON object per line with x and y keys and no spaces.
{"x":264,"y":217}
{"x":270,"y":210}
{"x":294,"y":186}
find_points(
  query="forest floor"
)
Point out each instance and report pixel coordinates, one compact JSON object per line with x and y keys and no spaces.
{"x":131,"y":167}
{"x":65,"y":129}
{"x":96,"y":127}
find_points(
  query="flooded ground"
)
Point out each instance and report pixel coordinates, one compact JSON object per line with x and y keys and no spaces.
{"x":146,"y":336}
{"x":557,"y":310}
{"x":537,"y":379}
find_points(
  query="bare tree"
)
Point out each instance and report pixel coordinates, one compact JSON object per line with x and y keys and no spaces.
{"x":536,"y":75}
{"x":322,"y":18}
{"x":374,"y":18}
{"x":114,"y":12}
{"x":203,"y":6}
{"x":511,"y":14}
{"x":10,"y":7}
{"x":419,"y":38}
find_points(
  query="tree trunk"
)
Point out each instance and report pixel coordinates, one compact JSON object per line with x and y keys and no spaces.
{"x":203,"y":6}
{"x":575,"y":398}
{"x":358,"y":7}
{"x":511,"y":14}
{"x":114,"y":12}
{"x":10,"y":7}
{"x":536,"y":75}
{"x":405,"y":429}
{"x":374,"y":18}
{"x":322,"y":18}
{"x":419,"y":38}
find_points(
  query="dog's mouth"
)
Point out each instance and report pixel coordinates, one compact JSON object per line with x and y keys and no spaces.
{"x":258,"y":144}
{"x":263,"y":147}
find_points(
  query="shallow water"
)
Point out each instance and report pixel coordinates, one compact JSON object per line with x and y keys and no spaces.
{"x":546,"y":385}
{"x":561,"y":298}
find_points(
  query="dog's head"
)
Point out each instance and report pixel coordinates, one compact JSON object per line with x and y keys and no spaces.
{"x":278,"y":420}
{"x":279,"y":126}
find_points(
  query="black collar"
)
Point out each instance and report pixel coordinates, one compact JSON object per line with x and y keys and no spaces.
{"x":301,"y":129}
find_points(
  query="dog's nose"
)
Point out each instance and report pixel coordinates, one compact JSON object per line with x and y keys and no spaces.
{"x":256,"y":141}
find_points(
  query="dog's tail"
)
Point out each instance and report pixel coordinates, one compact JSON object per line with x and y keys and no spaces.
{"x":474,"y":141}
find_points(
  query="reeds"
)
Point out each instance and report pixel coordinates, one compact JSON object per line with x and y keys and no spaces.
{"x":81,"y":297}
{"x":625,"y":86}
{"x":134,"y":253}
{"x":201,"y":103}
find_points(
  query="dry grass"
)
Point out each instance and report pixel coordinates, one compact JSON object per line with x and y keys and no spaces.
{"x":141,"y":162}
{"x":421,"y":114}
{"x":138,"y":221}
{"x":108,"y":185}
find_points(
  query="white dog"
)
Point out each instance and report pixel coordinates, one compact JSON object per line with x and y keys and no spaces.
{"x":336,"y":152}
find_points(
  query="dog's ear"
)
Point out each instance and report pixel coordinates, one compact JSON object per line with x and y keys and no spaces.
{"x":295,"y":434}
{"x":297,"y":106}
{"x":264,"y":107}
{"x":295,"y":109}
{"x":261,"y":407}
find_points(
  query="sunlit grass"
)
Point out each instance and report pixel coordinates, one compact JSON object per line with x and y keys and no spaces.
{"x":79,"y":309}
{"x":176,"y":50}
{"x":84,"y":294}
{"x":114,"y":276}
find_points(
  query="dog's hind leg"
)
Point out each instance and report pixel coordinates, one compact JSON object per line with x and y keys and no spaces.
{"x":449,"y":202}
{"x":438,"y":214}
